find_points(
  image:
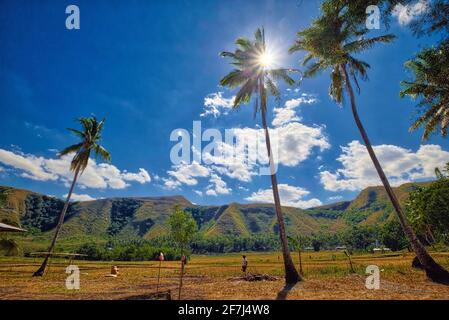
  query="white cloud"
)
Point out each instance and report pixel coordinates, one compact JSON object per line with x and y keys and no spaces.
{"x":80,"y":197}
{"x":295,"y":142}
{"x":287,"y":113}
{"x":217,"y":186}
{"x":407,"y":13}
{"x":229,"y":161}
{"x":400,"y":165}
{"x":186,"y":174}
{"x":96,"y":176}
{"x":211,"y":192}
{"x":200,"y":193}
{"x":335,"y":198}
{"x":283,"y":116}
{"x":170,"y":183}
{"x":245,"y":154}
{"x":291,"y":196}
{"x":292,"y":144}
{"x":215,"y":104}
{"x":31,"y":166}
{"x":142,"y":176}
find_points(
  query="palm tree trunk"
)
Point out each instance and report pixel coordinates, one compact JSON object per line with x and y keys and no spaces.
{"x":433,"y":270}
{"x":300,"y":263}
{"x":291,"y":275}
{"x":40,"y":272}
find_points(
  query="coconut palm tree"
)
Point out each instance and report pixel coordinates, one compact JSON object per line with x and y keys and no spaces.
{"x":430,"y":69}
{"x":332,"y":42}
{"x":255,"y":75}
{"x":90,"y":137}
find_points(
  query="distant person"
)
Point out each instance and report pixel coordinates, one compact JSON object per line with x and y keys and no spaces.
{"x":244,"y":264}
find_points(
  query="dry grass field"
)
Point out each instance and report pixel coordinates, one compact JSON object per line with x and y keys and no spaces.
{"x":327,"y":276}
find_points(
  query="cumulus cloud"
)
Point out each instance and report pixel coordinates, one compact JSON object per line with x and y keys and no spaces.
{"x":241,"y":152}
{"x":407,"y":13}
{"x":217,"y":186}
{"x":141,"y":177}
{"x":185,"y":174}
{"x":96,"y":175}
{"x":215,"y":104}
{"x":292,"y":144}
{"x":295,"y":142}
{"x":291,"y":196}
{"x":287,"y":113}
{"x":400,"y":165}
{"x":80,"y":197}
{"x":30,"y":166}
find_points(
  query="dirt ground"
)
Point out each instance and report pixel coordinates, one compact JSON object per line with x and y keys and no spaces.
{"x":327,"y":276}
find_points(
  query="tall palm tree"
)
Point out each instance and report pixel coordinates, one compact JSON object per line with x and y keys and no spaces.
{"x":331,"y":43}
{"x":90,"y":137}
{"x":254,"y":75}
{"x":430,"y":69}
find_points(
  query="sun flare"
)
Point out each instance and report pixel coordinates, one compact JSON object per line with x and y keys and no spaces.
{"x":266,"y":59}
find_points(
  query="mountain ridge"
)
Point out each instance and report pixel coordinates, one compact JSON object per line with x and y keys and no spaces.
{"x":145,"y":217}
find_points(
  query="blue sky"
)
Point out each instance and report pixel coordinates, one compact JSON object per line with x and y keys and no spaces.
{"x":151,"y":67}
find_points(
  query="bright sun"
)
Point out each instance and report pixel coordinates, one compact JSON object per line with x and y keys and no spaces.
{"x":266,"y":60}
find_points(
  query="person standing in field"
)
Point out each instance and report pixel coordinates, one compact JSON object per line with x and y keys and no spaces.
{"x":244,"y":264}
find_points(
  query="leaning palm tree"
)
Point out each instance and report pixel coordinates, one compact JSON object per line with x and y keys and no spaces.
{"x":430,"y":69}
{"x":90,"y":138}
{"x":332,"y":42}
{"x":254,"y":75}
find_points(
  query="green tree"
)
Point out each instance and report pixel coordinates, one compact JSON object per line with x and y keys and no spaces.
{"x":433,"y":20}
{"x":182,"y":230}
{"x":392,"y":235}
{"x":430,"y":71}
{"x":427,"y":208}
{"x":359,"y":237}
{"x":90,"y":142}
{"x":299,"y":242}
{"x":317,"y":242}
{"x":332,"y":42}
{"x":254,"y":75}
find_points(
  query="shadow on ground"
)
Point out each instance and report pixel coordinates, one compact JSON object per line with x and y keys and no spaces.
{"x":282,"y":295}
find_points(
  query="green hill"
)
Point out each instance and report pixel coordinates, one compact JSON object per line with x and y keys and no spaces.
{"x":123,"y":218}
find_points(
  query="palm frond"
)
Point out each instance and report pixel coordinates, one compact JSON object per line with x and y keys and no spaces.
{"x":273,"y":89}
{"x":233,"y":79}
{"x":71,"y":149}
{"x":245,"y":93}
{"x":282,"y":74}
{"x":360,"y":45}
{"x":244,"y":43}
{"x":313,"y":69}
{"x":102,"y":152}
